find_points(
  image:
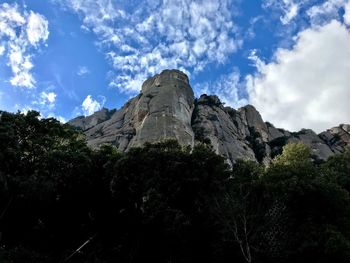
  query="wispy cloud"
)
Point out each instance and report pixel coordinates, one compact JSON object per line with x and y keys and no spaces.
{"x":21,"y":32}
{"x":82,"y":70}
{"x":313,"y":11}
{"x":289,"y":8}
{"x":2,"y":50}
{"x":228,"y":88}
{"x":328,"y":10}
{"x":141,"y":40}
{"x":57,"y":117}
{"x":47,"y":99}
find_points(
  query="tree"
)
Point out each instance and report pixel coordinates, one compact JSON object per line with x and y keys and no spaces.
{"x":314,"y":209}
{"x":337,"y":169}
{"x":294,"y":154}
{"x":163,"y":202}
{"x":45,"y":172}
{"x":164,"y":193}
{"x":239,"y":209}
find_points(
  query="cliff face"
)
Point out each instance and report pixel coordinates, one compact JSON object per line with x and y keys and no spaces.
{"x":162,"y":110}
{"x":166,"y":108}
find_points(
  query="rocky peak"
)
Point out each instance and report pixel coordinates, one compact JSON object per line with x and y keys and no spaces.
{"x":254,"y":121}
{"x":174,"y":76}
{"x":166,"y":108}
{"x":162,"y":110}
{"x":337,"y":138}
{"x":211,"y":100}
{"x":85,"y":123}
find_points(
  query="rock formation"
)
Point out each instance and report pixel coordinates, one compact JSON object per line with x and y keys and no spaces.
{"x":162,"y":110}
{"x":166,"y":108}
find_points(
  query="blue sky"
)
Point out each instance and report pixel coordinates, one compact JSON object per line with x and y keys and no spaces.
{"x":289,"y":58}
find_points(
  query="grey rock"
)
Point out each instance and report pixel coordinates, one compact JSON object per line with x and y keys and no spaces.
{"x":162,"y":110}
{"x":223,"y":129}
{"x":337,"y":138}
{"x":319,"y":148}
{"x":92,"y":120}
{"x":252,"y":118}
{"x":166,"y":109}
{"x":275,"y":133}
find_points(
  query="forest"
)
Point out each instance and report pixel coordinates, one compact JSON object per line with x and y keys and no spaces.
{"x":61,"y":201}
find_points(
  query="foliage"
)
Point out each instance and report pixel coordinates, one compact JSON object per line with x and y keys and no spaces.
{"x":243,"y":208}
{"x":61,"y":201}
{"x":315,"y":210}
{"x":163,"y":192}
{"x":294,"y":154}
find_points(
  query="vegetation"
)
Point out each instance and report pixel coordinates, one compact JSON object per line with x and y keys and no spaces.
{"x":61,"y":201}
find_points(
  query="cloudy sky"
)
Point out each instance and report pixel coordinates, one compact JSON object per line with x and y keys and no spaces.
{"x":289,"y":58}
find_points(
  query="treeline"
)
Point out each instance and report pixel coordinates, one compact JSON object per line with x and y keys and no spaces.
{"x":61,"y":201}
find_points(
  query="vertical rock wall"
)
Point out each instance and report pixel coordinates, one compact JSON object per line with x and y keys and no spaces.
{"x":166,"y":109}
{"x":162,"y":110}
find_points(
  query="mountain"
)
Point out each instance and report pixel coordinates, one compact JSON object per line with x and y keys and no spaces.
{"x":166,"y":108}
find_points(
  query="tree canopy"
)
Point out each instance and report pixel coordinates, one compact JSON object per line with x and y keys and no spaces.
{"x":61,"y":201}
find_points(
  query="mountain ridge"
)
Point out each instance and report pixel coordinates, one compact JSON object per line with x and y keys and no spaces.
{"x":166,"y":108}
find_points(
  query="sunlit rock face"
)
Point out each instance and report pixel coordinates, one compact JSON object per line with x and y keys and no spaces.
{"x":224,"y":128}
{"x":166,"y":109}
{"x":161,"y":111}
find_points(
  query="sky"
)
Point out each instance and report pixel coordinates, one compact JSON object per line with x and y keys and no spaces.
{"x":288,"y":58}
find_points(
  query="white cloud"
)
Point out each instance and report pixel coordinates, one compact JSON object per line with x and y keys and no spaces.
{"x":347,"y":13}
{"x":20,"y":34}
{"x":89,"y":105}
{"x":20,"y":65}
{"x":45,"y":101}
{"x":308,"y":85}
{"x":37,"y":28}
{"x":25,"y":110}
{"x":328,"y":10}
{"x":60,"y":119}
{"x":290,"y":13}
{"x":57,"y":117}
{"x":48,"y":97}
{"x":162,"y":34}
{"x":289,"y":8}
{"x":257,"y":62}
{"x":227,"y":88}
{"x":82,"y":70}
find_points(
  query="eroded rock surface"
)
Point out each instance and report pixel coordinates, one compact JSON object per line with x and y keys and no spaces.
{"x":166,"y":108}
{"x":337,"y":138}
{"x":162,"y":110}
{"x":224,"y":128}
